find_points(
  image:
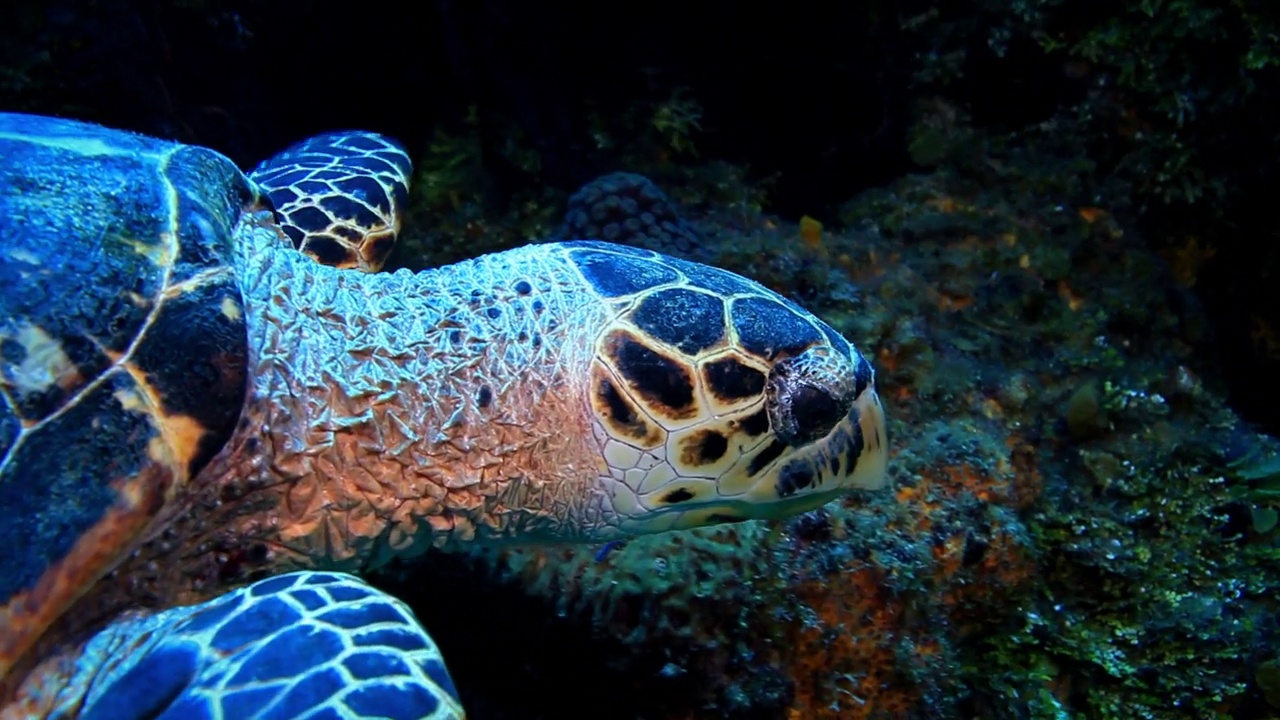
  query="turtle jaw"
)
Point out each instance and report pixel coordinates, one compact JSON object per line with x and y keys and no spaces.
{"x":852,"y":456}
{"x":728,"y":511}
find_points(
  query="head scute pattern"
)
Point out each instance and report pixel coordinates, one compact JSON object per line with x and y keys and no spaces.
{"x":618,"y":271}
{"x":718,"y":399}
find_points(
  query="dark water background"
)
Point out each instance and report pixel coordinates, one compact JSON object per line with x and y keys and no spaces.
{"x":1160,"y":114}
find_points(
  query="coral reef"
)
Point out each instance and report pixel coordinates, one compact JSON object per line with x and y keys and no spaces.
{"x":1078,"y":526}
{"x":1168,"y":100}
{"x":630,"y":209}
{"x":1070,"y":530}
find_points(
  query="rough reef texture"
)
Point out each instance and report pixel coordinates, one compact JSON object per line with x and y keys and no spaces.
{"x":1077,"y":526}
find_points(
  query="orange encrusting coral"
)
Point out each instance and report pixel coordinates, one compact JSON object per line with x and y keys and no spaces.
{"x":848,"y":661}
{"x":845,"y":663}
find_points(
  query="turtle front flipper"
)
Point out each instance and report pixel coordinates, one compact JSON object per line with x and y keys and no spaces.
{"x":340,"y":196}
{"x":300,"y":645}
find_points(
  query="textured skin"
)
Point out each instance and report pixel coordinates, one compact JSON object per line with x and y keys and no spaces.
{"x":564,"y":391}
{"x":340,"y":196}
{"x":395,"y":412}
{"x":299,"y":645}
{"x":114,"y":398}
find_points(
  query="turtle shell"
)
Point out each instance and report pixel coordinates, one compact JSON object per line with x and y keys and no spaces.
{"x":123,"y":349}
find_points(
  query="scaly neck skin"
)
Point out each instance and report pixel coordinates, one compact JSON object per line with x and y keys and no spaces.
{"x":389,"y":413}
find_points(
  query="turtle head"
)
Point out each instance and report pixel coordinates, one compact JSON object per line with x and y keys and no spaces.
{"x":714,"y":399}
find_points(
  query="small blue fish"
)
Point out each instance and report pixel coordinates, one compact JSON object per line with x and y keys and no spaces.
{"x":607,"y":548}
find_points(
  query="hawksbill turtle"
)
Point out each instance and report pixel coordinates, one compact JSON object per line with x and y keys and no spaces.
{"x":214,"y":422}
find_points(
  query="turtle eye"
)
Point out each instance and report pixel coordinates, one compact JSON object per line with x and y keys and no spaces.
{"x":808,"y":413}
{"x":805,"y":400}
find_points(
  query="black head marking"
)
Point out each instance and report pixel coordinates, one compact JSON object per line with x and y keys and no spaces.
{"x":354,"y":181}
{"x":374,"y":164}
{"x":400,"y":160}
{"x":756,"y":424}
{"x":372,"y":142}
{"x":766,"y":456}
{"x":659,"y":379}
{"x":846,"y":446}
{"x":317,"y":185}
{"x":345,"y":148}
{"x":484,"y":397}
{"x":359,"y":141}
{"x":729,"y":379}
{"x":795,"y":475}
{"x":523,"y":287}
{"x":617,"y":411}
{"x":689,"y":320}
{"x":283,"y":196}
{"x":613,"y":274}
{"x":704,"y":448}
{"x":769,"y":328}
{"x":678,"y":495}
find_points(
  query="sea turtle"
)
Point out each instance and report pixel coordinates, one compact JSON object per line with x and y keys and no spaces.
{"x":207,"y":435}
